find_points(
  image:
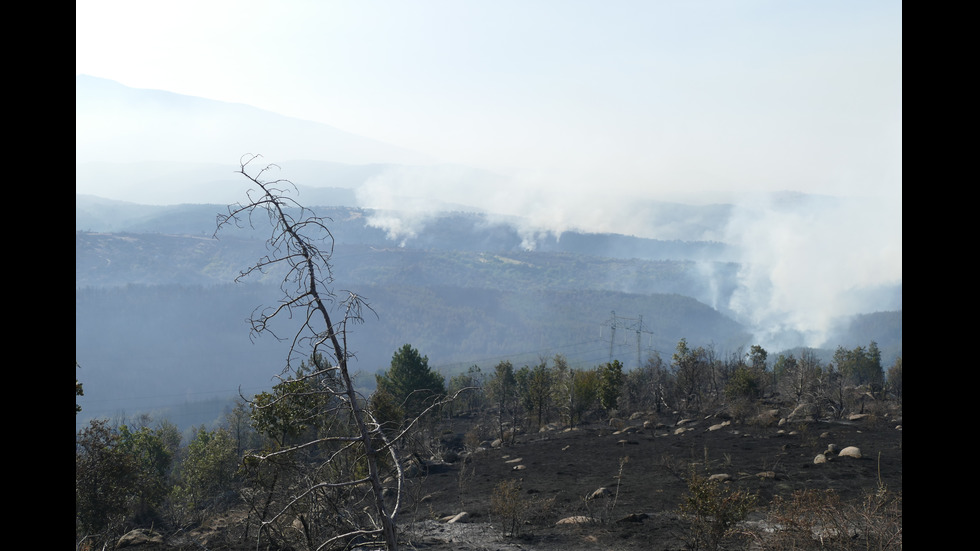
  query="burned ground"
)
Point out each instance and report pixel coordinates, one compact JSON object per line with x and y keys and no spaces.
{"x":645,"y":472}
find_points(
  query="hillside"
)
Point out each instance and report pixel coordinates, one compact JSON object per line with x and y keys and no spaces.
{"x":160,"y":322}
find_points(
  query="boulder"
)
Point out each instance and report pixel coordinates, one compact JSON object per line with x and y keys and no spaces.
{"x":851,"y":451}
{"x":578,"y":519}
{"x":140,"y":536}
{"x":634,"y":517}
{"x":600,"y":493}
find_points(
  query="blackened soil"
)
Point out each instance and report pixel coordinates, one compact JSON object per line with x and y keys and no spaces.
{"x":645,"y":472}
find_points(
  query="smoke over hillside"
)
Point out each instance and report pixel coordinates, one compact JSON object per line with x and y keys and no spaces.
{"x":805,"y":260}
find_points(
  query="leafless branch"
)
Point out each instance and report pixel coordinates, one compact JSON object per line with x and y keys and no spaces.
{"x":301,"y":246}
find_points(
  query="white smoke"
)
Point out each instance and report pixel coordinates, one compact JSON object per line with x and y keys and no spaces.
{"x":808,"y":261}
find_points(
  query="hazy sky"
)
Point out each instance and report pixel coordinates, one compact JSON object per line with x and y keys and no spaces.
{"x":641,"y":95}
{"x":586,"y":105}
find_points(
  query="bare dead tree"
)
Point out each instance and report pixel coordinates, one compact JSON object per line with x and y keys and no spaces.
{"x":301,"y":244}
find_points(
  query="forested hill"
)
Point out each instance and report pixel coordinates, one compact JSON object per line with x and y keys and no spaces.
{"x":161,"y":324}
{"x":453,"y":231}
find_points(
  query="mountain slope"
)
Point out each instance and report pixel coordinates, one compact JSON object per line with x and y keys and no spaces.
{"x":115,"y":123}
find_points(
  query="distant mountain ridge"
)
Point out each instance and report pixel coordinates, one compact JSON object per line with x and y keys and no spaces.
{"x":115,"y":123}
{"x":160,"y":148}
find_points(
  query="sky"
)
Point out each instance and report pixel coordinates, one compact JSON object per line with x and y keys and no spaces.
{"x":658,"y":96}
{"x":584,"y":104}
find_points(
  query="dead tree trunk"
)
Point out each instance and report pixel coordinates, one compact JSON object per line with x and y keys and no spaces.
{"x":306,"y":288}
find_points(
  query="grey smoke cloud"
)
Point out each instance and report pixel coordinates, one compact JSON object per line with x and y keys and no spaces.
{"x":805,"y":260}
{"x":809,"y":260}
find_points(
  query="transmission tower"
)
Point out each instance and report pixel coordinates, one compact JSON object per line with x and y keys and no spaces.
{"x":630,"y":324}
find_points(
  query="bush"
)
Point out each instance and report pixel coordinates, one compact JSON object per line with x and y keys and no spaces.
{"x":818,"y":519}
{"x":509,"y":507}
{"x":746,"y":383}
{"x":714,"y":510}
{"x":513,"y":509}
{"x":105,"y":481}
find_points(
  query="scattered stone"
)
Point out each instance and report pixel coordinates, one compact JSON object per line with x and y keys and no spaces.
{"x":720,"y":477}
{"x":519,"y":467}
{"x":600,"y":493}
{"x":819,"y":459}
{"x":721,"y":425}
{"x":517,"y":460}
{"x":628,"y":430}
{"x":767,"y":417}
{"x":578,"y":519}
{"x":140,"y":536}
{"x":450,"y":456}
{"x":851,"y":451}
{"x":767,"y":474}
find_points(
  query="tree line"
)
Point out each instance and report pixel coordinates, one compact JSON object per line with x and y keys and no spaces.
{"x":298,"y":435}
